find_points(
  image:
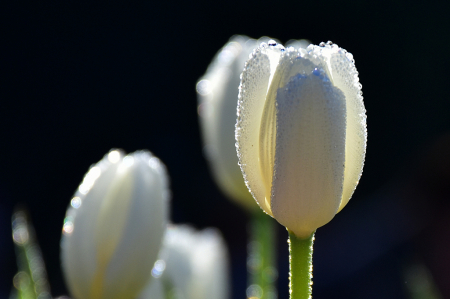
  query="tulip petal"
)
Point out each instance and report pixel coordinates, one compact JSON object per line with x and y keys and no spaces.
{"x":310,"y":145}
{"x":195,"y":265}
{"x":345,"y":77}
{"x":340,"y":68}
{"x":78,"y":248}
{"x":291,"y":64}
{"x":217,"y":95}
{"x":97,"y":247}
{"x":255,"y":80}
{"x":135,"y":232}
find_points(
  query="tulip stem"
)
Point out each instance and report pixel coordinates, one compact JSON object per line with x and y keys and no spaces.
{"x":300,"y":251}
{"x":261,"y":256}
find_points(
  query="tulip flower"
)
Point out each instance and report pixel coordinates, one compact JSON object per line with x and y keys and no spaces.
{"x":192,"y":265}
{"x":217,"y":97}
{"x":301,"y":141}
{"x":114,"y":226}
{"x":301,"y":132}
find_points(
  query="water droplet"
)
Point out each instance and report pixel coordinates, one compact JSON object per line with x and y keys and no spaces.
{"x":114,"y":156}
{"x":158,"y":268}
{"x":154,"y":162}
{"x":270,"y":274}
{"x":204,"y":87}
{"x":75,"y":202}
{"x":254,"y":291}
{"x":21,"y":281}
{"x":68,"y":227}
{"x":349,"y":56}
{"x":20,"y":235}
{"x":316,"y":72}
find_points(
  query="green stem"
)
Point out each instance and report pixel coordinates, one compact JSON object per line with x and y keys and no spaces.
{"x":300,"y":251}
{"x":261,"y":256}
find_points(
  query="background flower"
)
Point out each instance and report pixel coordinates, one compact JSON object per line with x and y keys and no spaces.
{"x":192,"y":264}
{"x":114,"y":226}
{"x":217,"y":96}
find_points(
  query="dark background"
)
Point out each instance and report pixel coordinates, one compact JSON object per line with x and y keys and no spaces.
{"x":79,"y":78}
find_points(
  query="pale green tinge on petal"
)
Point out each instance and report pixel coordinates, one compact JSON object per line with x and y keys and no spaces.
{"x":310,"y":146}
{"x":268,"y":131}
{"x":255,"y":80}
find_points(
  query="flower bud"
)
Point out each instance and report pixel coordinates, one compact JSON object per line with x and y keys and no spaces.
{"x":301,"y":132}
{"x":114,"y":226}
{"x":217,"y":97}
{"x":192,"y":264}
{"x":217,"y":93}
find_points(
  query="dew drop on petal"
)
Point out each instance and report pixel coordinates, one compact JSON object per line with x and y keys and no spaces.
{"x":68,"y":227}
{"x":114,"y":156}
{"x":316,"y":72}
{"x":204,"y":87}
{"x":158,"y":268}
{"x":75,"y":202}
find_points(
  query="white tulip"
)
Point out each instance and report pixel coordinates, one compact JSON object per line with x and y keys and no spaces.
{"x":217,"y":93}
{"x":301,"y":132}
{"x":193,"y":264}
{"x":114,"y":226}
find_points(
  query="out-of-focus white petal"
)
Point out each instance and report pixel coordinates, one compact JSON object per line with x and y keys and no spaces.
{"x":116,"y":226}
{"x":217,"y":97}
{"x":153,"y":290}
{"x":196,"y":265}
{"x":210,"y":283}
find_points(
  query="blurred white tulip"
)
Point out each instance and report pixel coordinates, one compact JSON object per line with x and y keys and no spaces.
{"x":217,"y":93}
{"x":114,"y":226}
{"x":192,"y":264}
{"x":301,"y":132}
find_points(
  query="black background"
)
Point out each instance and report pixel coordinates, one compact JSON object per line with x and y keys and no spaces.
{"x":80,"y":78}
